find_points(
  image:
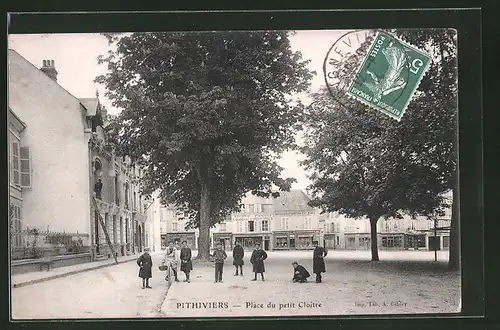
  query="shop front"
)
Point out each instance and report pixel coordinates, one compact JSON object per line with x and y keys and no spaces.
{"x":226,"y":239}
{"x":414,"y":241}
{"x":304,"y":239}
{"x":392,"y":241}
{"x":357,"y":241}
{"x":176,"y":237}
{"x":296,"y":240}
{"x":248,"y":241}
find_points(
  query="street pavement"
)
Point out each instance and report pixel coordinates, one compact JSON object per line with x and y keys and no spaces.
{"x":401,"y":283}
{"x":406,"y":282}
{"x":110,"y":292}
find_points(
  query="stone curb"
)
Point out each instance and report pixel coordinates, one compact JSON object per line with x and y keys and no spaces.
{"x":53,"y":277}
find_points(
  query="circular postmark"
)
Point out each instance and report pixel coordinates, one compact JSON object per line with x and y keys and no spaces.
{"x":372,"y":66}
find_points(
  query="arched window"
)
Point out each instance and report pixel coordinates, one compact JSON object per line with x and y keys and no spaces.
{"x":97,"y":167}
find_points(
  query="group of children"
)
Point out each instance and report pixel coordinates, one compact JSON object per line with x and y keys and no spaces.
{"x":257,"y":260}
{"x":218,"y":257}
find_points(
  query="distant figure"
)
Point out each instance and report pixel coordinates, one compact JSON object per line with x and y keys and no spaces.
{"x":238,"y":254}
{"x":318,"y":262}
{"x":98,"y":189}
{"x":219,"y":256}
{"x":185,"y":257}
{"x":170,"y":260}
{"x":257,"y":260}
{"x":300,"y":274}
{"x":145,"y":263}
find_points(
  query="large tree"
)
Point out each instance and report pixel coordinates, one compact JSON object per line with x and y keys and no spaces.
{"x":207,"y":114}
{"x":368,"y":165}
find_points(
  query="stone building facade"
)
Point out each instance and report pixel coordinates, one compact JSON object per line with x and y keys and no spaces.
{"x":57,"y":152}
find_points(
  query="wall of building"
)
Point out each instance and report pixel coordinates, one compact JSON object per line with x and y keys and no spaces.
{"x":14,"y":134}
{"x":59,"y":151}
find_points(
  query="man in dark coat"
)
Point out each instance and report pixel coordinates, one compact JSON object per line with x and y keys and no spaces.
{"x":186,"y":264}
{"x":300,"y":273}
{"x":238,"y":254}
{"x":145,"y":263}
{"x":257,"y":260}
{"x":318,"y":262}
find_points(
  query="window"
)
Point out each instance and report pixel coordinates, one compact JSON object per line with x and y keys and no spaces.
{"x":174,"y":226}
{"x":338,"y":241}
{"x":115,"y":230}
{"x":126,"y":187}
{"x":15,"y":163}
{"x":250,"y":208}
{"x":391,"y":241}
{"x":281,"y":242}
{"x":240,"y":226}
{"x":16,"y":237}
{"x":332,"y":227}
{"x":222,"y":226}
{"x":307,"y":223}
{"x":25,"y":167}
{"x":364,"y":241}
{"x":251,"y":225}
{"x":421,"y":241}
{"x":305,"y":242}
{"x":265,"y":225}
{"x":117,"y":190}
{"x":284,"y":223}
{"x":121,"y":230}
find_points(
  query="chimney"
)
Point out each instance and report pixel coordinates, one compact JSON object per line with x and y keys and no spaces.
{"x":49,"y":69}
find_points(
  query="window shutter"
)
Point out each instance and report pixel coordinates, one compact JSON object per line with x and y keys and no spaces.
{"x":15,"y":163}
{"x":25,"y":167}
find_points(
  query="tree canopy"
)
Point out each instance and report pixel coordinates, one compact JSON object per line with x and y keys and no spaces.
{"x":366,"y":164}
{"x":206,"y":114}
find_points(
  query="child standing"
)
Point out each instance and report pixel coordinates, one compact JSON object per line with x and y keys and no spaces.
{"x":186,"y":264}
{"x":145,"y":263}
{"x":238,"y":254}
{"x":219,"y":256}
{"x":257,"y":260}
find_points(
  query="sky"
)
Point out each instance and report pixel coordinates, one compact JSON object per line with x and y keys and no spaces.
{"x":75,"y":57}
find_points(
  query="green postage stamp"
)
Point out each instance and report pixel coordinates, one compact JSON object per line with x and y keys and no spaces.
{"x":389,"y":75}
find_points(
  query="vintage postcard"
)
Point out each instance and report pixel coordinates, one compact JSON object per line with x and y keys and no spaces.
{"x":233,"y":174}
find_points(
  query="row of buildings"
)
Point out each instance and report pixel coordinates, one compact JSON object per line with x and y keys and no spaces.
{"x":59,"y":161}
{"x":289,"y":223}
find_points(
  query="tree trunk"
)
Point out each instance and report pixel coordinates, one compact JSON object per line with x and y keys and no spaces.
{"x":204,"y":238}
{"x":454,"y":257}
{"x":373,"y":226}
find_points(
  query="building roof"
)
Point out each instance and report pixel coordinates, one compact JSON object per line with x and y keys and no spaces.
{"x":91,"y":104}
{"x":18,"y":120}
{"x":293,"y":200}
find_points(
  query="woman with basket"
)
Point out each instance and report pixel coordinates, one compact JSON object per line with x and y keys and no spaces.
{"x":169,"y":262}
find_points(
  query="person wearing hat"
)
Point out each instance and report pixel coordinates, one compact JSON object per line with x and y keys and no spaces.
{"x":300,"y":273}
{"x":319,"y":254}
{"x":185,"y":257}
{"x":146,"y":264}
{"x":257,"y":260}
